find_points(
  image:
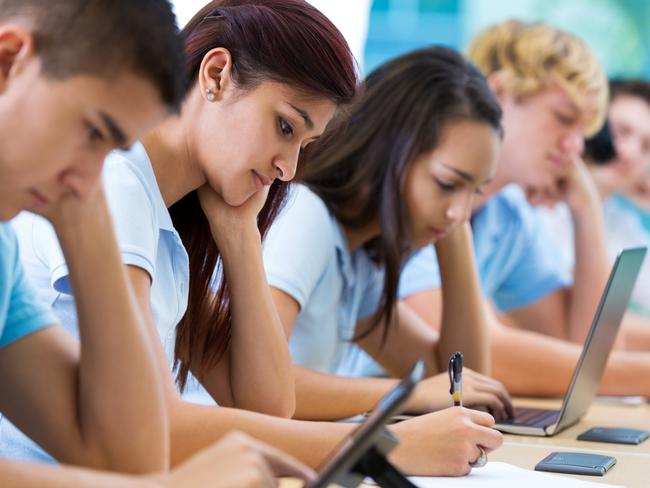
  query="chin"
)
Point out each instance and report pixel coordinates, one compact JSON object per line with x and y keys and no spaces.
{"x":8,"y":213}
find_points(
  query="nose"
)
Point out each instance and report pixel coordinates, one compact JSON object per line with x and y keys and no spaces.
{"x":285,"y":167}
{"x":573,"y":143}
{"x":83,"y":176}
{"x":460,"y":208}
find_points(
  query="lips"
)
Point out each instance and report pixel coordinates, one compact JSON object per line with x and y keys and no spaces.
{"x":261,"y":180}
{"x":438,"y":234}
{"x":40,"y":198}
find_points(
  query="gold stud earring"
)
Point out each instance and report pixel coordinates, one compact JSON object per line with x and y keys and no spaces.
{"x":210,"y":95}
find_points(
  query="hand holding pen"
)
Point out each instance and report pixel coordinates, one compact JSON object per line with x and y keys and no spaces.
{"x":456,"y":391}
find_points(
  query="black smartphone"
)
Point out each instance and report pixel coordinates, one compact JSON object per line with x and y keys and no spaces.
{"x":343,"y":459}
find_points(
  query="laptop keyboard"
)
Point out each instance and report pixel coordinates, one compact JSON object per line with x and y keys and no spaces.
{"x":533,"y":417}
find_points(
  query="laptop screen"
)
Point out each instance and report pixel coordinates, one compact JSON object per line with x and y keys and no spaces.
{"x":601,"y":337}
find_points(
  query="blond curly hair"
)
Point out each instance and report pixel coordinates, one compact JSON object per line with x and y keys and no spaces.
{"x":533,"y":56}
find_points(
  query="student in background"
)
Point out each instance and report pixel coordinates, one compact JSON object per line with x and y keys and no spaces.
{"x":68,"y":94}
{"x":553,"y":92}
{"x":242,"y":135}
{"x":626,"y":193}
{"x":618,"y":158}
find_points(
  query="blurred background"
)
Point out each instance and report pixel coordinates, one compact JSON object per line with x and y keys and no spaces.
{"x":380,"y":29}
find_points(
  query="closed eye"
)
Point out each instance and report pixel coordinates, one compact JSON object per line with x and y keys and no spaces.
{"x":285,"y":127}
{"x":93,"y":133}
{"x":445,"y":186}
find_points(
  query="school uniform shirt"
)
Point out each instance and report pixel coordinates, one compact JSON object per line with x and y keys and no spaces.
{"x":306,"y":255}
{"x":21,"y":313}
{"x":517,"y":257}
{"x":146,"y":239}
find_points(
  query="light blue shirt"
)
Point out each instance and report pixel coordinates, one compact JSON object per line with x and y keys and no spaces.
{"x":306,"y":255}
{"x":20,"y":310}
{"x":517,"y":258}
{"x":146,"y":239}
{"x":518,"y":262}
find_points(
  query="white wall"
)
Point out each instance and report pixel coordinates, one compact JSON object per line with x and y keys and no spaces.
{"x":350,"y":16}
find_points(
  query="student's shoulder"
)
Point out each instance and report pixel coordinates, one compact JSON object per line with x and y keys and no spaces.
{"x":304,"y":225}
{"x":8,"y":242}
{"x":510,"y":207}
{"x":129,"y":172}
{"x":305,"y":208}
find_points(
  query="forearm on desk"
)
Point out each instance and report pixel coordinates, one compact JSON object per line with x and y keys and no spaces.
{"x":27,"y":475}
{"x":531,"y":364}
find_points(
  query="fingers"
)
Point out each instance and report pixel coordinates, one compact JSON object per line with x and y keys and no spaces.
{"x":484,"y":391}
{"x":490,"y":439}
{"x":480,"y":418}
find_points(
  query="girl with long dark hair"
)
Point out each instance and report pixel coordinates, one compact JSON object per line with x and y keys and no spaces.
{"x":398,"y":173}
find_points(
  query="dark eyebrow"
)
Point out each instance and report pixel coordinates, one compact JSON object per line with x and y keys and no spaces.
{"x":117,"y":134}
{"x":308,"y":122}
{"x":462,"y":174}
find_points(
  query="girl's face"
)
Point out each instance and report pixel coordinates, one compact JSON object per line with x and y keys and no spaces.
{"x":440,"y":185}
{"x":245,"y":139}
{"x":629,"y":117}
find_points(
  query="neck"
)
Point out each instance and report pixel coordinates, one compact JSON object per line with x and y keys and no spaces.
{"x":168,"y":148}
{"x":357,"y":237}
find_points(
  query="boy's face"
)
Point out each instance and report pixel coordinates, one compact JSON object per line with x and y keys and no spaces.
{"x":543,"y":135}
{"x":56,"y":133}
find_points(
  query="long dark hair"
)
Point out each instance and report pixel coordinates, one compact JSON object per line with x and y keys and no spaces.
{"x":286,"y":41}
{"x":358,"y":168}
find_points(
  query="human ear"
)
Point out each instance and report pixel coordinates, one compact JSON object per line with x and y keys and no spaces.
{"x":497,"y":83}
{"x":16,"y":48}
{"x":215,"y":73}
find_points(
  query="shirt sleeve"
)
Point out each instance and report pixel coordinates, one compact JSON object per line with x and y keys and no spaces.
{"x":134,"y":220}
{"x":538,"y":268}
{"x":299,"y":245}
{"x":420,"y":273}
{"x":25,"y":313}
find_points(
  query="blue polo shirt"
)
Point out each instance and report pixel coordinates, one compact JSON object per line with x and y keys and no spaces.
{"x":306,"y":255}
{"x":20,"y":310}
{"x":146,"y":239}
{"x":517,"y":257}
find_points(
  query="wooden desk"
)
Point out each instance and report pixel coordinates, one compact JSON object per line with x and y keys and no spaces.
{"x":632,"y":469}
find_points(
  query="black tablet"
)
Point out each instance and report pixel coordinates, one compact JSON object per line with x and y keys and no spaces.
{"x":342,"y":466}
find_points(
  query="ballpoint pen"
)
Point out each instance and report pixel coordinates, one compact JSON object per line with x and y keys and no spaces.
{"x":456,"y":378}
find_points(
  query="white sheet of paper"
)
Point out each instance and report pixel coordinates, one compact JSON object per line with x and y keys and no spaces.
{"x":504,"y":475}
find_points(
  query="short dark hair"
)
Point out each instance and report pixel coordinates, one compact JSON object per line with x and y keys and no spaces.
{"x":637,"y":88}
{"x":105,"y":38}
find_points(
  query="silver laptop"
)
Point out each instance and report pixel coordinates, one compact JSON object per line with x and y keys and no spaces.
{"x":590,"y":367}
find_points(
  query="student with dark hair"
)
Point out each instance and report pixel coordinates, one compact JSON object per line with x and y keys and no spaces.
{"x":189,"y":197}
{"x":394,"y":176}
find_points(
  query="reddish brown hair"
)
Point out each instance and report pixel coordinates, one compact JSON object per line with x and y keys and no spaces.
{"x":286,"y":41}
